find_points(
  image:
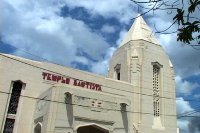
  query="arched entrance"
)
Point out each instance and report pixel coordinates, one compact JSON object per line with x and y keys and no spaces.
{"x":91,"y":129}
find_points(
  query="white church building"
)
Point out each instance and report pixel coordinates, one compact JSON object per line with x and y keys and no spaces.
{"x":137,"y":96}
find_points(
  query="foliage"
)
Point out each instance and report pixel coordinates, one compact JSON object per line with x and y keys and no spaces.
{"x":188,"y":24}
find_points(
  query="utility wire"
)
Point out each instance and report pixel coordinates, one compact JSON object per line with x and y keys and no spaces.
{"x":189,"y":117}
{"x":71,"y":77}
{"x":189,"y":113}
{"x":80,"y":80}
{"x":20,"y":49}
{"x":44,"y":59}
{"x":83,"y":80}
{"x":86,"y":105}
{"x":67,"y":103}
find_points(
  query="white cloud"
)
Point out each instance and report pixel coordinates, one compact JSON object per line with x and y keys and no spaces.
{"x":36,"y":23}
{"x":122,"y":34}
{"x":197,"y":96}
{"x":184,"y":87}
{"x":182,"y":107}
{"x":184,"y":58}
{"x":183,"y":126}
{"x":187,"y":124}
{"x":81,"y":59}
{"x":108,"y":29}
{"x":101,"y":67}
{"x":124,"y":10}
{"x":36,"y":28}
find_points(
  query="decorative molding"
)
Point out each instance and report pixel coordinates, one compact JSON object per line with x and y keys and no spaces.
{"x":89,"y":121}
{"x":157,"y":64}
{"x":68,"y":97}
{"x":135,"y":66}
{"x":118,"y":66}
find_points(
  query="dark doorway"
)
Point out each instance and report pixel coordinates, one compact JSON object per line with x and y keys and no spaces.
{"x":91,"y":129}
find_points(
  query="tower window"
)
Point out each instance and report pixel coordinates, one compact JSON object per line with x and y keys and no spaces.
{"x":156,"y":88}
{"x":117,"y":72}
{"x":156,"y":96}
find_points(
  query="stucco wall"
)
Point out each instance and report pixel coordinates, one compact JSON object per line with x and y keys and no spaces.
{"x":30,"y":72}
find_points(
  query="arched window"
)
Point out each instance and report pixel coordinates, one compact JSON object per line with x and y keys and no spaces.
{"x":14,"y":99}
{"x":13,"y":105}
{"x":117,"y":72}
{"x":38,"y":128}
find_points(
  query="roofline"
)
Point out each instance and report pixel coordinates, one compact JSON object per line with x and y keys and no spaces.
{"x":139,"y":40}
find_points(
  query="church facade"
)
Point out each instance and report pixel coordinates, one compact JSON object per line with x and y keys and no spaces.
{"x":137,"y":96}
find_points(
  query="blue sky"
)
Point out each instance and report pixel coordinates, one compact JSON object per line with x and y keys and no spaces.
{"x":84,"y":34}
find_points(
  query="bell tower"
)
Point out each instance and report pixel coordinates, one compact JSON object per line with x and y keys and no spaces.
{"x":141,"y":61}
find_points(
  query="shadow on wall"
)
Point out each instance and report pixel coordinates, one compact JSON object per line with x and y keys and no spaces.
{"x":124,"y":118}
{"x":69,"y":108}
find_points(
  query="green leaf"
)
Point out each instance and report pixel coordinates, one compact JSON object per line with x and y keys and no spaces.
{"x":184,"y":35}
{"x":179,"y":16}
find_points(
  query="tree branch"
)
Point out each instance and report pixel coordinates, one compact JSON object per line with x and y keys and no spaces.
{"x":184,"y":17}
{"x":145,"y":12}
{"x":146,"y":2}
{"x":163,"y":31}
